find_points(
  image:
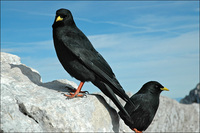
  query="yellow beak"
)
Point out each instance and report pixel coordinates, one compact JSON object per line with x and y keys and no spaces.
{"x":59,"y":19}
{"x":164,"y":89}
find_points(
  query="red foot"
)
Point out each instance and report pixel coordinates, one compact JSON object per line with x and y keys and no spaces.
{"x":72,"y":95}
{"x":136,"y":131}
{"x":76,"y":92}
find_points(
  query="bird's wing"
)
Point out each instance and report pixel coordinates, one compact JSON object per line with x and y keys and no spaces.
{"x":142,"y":115}
{"x":141,"y":102}
{"x":136,"y":100}
{"x":132,"y":110}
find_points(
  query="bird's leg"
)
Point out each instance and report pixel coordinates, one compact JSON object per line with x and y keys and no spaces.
{"x":136,"y":131}
{"x":76,"y":92}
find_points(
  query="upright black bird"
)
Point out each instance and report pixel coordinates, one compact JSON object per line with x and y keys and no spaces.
{"x":146,"y":101}
{"x":82,"y":61}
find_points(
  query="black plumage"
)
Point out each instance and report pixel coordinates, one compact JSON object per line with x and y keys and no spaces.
{"x":82,"y":61}
{"x":146,"y":101}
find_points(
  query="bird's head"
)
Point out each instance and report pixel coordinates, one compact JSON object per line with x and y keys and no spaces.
{"x":63,"y":18}
{"x":153,"y":87}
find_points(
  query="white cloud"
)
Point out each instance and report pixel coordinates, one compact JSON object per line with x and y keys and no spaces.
{"x":26,"y":47}
{"x":146,"y":45}
{"x":8,"y":50}
{"x":112,"y":23}
{"x":27,"y":11}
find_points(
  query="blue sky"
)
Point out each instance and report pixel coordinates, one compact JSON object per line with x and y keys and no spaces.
{"x":141,"y":40}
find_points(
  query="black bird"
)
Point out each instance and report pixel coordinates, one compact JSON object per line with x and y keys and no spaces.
{"x":82,"y":61}
{"x":146,"y":101}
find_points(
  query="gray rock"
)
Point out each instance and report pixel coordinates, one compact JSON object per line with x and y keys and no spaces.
{"x":29,"y":105}
{"x":193,"y":97}
{"x":175,"y":117}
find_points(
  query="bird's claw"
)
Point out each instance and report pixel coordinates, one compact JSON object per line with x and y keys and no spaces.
{"x":71,"y":95}
{"x":86,"y":92}
{"x":74,"y":90}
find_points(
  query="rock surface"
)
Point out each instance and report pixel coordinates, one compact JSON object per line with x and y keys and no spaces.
{"x":28,"y":105}
{"x":193,"y":97}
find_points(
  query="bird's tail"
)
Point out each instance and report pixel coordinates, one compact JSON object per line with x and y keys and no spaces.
{"x":118,"y":90}
{"x":127,"y":120}
{"x":109,"y":92}
{"x":126,"y":98}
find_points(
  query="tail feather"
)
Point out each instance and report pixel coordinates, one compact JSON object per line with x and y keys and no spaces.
{"x":113,"y":97}
{"x":127,"y":120}
{"x":109,"y":92}
{"x":121,"y":93}
{"x":126,"y":98}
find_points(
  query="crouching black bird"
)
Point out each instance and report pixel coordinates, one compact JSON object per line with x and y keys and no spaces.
{"x":146,"y":101}
{"x":82,"y":61}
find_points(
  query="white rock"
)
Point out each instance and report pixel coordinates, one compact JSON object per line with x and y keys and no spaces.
{"x":175,"y":117}
{"x":9,"y":58}
{"x":28,"y":105}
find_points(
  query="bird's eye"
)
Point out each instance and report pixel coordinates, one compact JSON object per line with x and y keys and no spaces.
{"x":156,"y":86}
{"x":64,"y":16}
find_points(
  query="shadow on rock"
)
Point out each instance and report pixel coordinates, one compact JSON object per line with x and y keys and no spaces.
{"x":112,"y":112}
{"x":58,"y":86}
{"x":36,"y":79}
{"x":30,"y":73}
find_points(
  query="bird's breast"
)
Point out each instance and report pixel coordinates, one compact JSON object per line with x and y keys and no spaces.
{"x":72,"y":63}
